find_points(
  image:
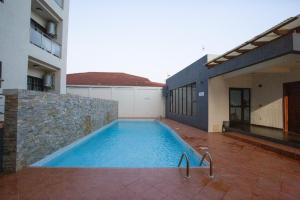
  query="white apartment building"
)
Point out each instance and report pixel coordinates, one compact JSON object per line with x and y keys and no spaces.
{"x":33,"y":44}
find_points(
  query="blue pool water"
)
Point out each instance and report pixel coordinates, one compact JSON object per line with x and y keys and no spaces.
{"x":125,"y":144}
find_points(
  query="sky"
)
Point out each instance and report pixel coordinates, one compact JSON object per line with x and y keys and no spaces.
{"x":157,"y":38}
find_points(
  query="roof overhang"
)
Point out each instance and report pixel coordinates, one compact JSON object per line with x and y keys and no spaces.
{"x":288,"y":26}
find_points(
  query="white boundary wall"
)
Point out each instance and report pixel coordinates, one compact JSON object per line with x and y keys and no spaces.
{"x":134,"y":101}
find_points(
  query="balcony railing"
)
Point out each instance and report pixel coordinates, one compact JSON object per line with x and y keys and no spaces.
{"x":60,"y":3}
{"x":43,"y":41}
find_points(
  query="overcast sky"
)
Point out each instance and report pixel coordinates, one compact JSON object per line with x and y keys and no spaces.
{"x":157,"y":38}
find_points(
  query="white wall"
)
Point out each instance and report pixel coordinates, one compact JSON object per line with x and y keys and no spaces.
{"x":14,"y":42}
{"x":217,"y":104}
{"x":266,"y":106}
{"x":134,"y":102}
{"x":149,"y":102}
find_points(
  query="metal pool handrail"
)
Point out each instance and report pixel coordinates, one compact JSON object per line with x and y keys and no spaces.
{"x":210,"y":163}
{"x":187,"y":164}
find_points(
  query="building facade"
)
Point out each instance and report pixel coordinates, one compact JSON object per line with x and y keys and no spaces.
{"x":137,"y":97}
{"x":183,"y":102}
{"x":33,"y":44}
{"x":255,"y":85}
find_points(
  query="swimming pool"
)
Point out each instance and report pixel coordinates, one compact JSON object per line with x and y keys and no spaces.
{"x":125,"y":144}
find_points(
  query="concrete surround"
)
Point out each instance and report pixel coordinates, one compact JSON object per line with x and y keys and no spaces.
{"x":38,"y":123}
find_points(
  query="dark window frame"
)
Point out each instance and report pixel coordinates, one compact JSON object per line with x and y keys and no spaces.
{"x":184,"y":100}
{"x":1,"y":73}
{"x":180,"y":101}
{"x":36,"y":26}
{"x":174,"y":102}
{"x":189,"y":100}
{"x":171,"y":101}
{"x":242,"y":106}
{"x":177,"y":101}
{"x":194,"y":99}
{"x":34,"y":83}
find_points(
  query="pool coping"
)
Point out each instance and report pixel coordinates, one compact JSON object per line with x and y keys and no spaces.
{"x":47,"y":158}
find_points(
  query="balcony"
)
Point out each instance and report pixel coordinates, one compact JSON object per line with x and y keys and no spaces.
{"x":60,"y":3}
{"x":40,"y":39}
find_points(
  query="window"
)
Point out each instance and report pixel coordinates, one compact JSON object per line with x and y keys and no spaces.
{"x":180,"y":101}
{"x":34,"y":83}
{"x":37,"y":26}
{"x":171,"y":101}
{"x":177,"y":101}
{"x":60,"y":3}
{"x":194,"y":100}
{"x":174,"y":101}
{"x":183,"y":100}
{"x":1,"y":73}
{"x":189,"y":100}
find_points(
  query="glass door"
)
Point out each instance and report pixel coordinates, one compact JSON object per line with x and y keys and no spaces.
{"x":239,"y":106}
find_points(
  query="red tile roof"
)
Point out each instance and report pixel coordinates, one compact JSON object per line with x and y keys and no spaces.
{"x":109,"y":79}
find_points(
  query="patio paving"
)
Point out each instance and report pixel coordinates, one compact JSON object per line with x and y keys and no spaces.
{"x":242,"y":171}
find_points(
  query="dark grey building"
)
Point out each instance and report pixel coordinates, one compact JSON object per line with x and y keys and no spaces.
{"x":187,"y":99}
{"x":255,"y":86}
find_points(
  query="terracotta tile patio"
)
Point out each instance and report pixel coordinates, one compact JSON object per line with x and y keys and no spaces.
{"x":242,"y":171}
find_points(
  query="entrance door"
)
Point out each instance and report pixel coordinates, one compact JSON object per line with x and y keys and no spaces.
{"x":292,"y":107}
{"x":239,"y":106}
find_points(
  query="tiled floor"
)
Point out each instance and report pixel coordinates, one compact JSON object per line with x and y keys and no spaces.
{"x":242,"y":171}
